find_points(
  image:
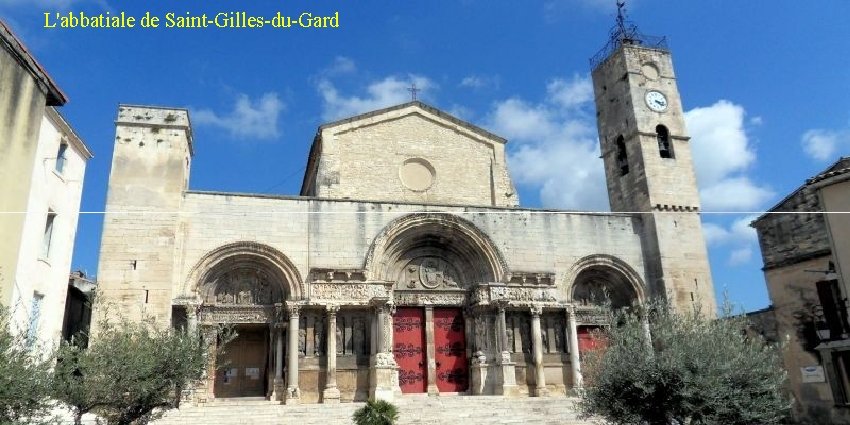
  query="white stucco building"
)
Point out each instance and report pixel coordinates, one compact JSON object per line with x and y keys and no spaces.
{"x":43,"y":163}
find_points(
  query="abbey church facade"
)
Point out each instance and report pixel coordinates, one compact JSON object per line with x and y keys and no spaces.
{"x":407,"y":263}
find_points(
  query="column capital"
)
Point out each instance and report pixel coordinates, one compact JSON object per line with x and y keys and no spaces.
{"x":536,"y":310}
{"x":332,"y":309}
{"x":294,"y":309}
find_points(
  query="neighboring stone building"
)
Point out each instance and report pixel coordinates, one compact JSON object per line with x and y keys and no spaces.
{"x":405,"y":265}
{"x":801,"y":246}
{"x":78,"y":303}
{"x":42,"y":163}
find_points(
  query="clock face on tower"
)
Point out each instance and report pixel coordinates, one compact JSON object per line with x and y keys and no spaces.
{"x":656,"y":101}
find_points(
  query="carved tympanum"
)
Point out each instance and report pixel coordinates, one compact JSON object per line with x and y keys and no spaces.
{"x":243,"y":286}
{"x":428,"y":273}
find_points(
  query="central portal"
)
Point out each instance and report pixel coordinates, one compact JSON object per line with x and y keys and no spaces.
{"x":411,"y":348}
{"x":245,"y":362}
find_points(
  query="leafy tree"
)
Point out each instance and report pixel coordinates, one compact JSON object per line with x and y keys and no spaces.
{"x":131,"y":372}
{"x":24,"y":374}
{"x":376,"y":412}
{"x":683,"y":368}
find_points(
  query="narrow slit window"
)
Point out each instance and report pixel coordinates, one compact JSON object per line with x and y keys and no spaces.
{"x":60,"y":157}
{"x":622,"y":156}
{"x":664,"y":147}
{"x":48,"y":234}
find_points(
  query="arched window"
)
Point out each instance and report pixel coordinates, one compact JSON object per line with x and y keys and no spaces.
{"x":665,"y":149}
{"x":622,"y":156}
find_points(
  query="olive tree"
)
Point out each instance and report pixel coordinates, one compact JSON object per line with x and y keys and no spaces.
{"x":131,"y":372}
{"x":683,"y":368}
{"x":24,"y":374}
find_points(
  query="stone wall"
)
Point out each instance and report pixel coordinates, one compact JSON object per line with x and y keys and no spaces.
{"x":789,"y":238}
{"x":336,"y":234}
{"x":411,"y":153}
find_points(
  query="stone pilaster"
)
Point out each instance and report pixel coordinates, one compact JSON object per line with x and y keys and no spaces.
{"x":331,"y":392}
{"x":506,"y":364}
{"x":430,"y":352}
{"x":293,"y":393}
{"x":278,"y":393}
{"x":575,"y":362}
{"x":537,"y":352}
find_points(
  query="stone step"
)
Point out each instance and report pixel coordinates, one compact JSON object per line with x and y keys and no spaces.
{"x":413,"y":410}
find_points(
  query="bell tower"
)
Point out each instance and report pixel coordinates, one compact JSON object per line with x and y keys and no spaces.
{"x":647,"y":155}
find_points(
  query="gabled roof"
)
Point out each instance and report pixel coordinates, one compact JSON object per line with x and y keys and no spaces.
{"x":430,"y":109}
{"x":841,"y":166}
{"x":55,"y":96}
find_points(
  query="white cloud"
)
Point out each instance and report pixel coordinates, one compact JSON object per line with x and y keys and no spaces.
{"x":341,"y":65}
{"x":738,"y":237}
{"x":390,"y":91}
{"x":740,"y":256}
{"x":480,"y":82}
{"x":248,"y":119}
{"x":823,"y":145}
{"x":570,"y":94}
{"x":554,"y":147}
{"x":722,"y":154}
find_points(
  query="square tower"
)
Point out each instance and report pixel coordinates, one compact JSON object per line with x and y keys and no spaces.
{"x":648,"y":166}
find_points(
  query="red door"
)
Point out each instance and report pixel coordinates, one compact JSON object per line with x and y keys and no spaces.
{"x":450,"y":350}
{"x":589,"y":339}
{"x":409,"y":349}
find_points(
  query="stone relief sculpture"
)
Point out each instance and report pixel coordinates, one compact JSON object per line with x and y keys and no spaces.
{"x":560,"y":331}
{"x":544,"y":335}
{"x":338,"y":336}
{"x":244,"y":287}
{"x":525,"y":334}
{"x":428,"y":273}
{"x":510,"y":331}
{"x":318,"y":337}
{"x":360,"y":340}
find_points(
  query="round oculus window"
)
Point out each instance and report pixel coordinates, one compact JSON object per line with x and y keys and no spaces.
{"x":417,"y":174}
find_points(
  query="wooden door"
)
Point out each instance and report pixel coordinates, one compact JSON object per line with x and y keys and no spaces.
{"x":589,"y":339}
{"x":450,"y":350}
{"x":244,"y":371}
{"x":409,"y":349}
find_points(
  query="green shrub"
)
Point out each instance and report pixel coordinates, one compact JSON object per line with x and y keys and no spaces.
{"x":376,"y":412}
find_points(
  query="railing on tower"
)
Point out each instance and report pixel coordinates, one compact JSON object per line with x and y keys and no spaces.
{"x":626,"y":32}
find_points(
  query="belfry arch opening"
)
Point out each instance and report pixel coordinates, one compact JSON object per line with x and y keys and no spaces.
{"x":662,"y":135}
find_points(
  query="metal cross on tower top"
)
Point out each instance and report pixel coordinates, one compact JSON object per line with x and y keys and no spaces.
{"x":413,"y":91}
{"x":621,"y":15}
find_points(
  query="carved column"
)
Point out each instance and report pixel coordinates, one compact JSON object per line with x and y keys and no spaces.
{"x":383,"y":375}
{"x":331,"y":393}
{"x":537,"y":352}
{"x":293,"y":393}
{"x":508,"y":367}
{"x":430,"y":354}
{"x":575,"y":364}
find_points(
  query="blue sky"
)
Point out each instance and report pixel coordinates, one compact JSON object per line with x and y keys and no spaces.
{"x":764,"y":84}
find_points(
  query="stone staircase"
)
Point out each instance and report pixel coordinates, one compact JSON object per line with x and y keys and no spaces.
{"x":413,"y":410}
